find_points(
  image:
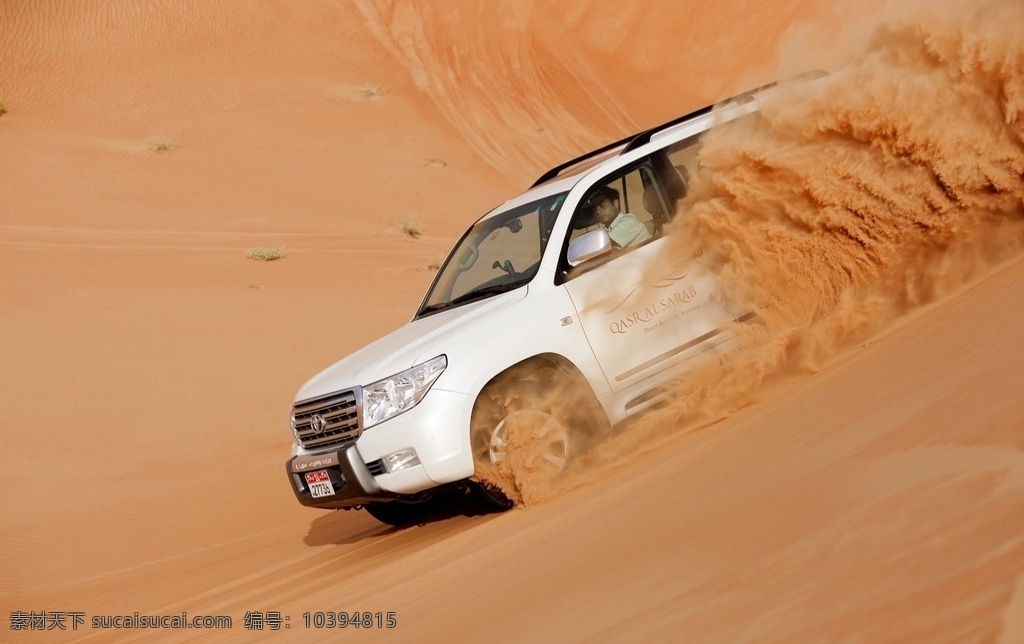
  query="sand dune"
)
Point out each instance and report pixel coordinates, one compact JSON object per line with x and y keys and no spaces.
{"x":866,"y":482}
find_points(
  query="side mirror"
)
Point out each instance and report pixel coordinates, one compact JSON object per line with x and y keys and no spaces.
{"x":588,"y":246}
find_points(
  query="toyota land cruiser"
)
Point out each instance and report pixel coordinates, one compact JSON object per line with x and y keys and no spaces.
{"x":545,"y":323}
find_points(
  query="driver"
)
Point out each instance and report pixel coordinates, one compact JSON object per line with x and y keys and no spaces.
{"x":624,"y":228}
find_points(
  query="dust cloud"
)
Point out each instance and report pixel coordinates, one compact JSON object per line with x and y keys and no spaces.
{"x":850,"y":201}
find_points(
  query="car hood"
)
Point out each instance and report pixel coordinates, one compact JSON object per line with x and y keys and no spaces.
{"x":408,"y":346}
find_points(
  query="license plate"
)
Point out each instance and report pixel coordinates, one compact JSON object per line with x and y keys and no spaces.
{"x":319,"y":484}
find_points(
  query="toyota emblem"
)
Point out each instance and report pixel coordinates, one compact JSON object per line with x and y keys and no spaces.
{"x":318,"y":424}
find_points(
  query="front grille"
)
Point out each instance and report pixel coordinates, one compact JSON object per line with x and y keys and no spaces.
{"x":327,"y":421}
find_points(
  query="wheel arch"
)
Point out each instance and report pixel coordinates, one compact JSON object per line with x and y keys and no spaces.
{"x":540,"y":368}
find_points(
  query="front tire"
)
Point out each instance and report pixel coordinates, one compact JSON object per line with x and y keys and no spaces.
{"x":528,"y":428}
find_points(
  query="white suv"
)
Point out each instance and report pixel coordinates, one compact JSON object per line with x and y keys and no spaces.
{"x":555,"y":290}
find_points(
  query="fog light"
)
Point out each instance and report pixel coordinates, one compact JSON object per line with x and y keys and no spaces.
{"x":401,"y":460}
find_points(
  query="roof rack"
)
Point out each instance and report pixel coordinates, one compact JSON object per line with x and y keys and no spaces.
{"x":555,"y":171}
{"x":634,"y":141}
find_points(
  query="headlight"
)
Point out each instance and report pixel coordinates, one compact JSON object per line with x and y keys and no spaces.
{"x":387,"y":398}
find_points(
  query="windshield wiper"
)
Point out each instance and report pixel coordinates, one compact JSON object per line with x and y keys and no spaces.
{"x":475,"y":294}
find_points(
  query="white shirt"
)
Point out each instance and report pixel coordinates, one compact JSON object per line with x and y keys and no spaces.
{"x":627,"y":230}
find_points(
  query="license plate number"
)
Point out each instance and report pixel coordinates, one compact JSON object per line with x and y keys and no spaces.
{"x":319,"y":484}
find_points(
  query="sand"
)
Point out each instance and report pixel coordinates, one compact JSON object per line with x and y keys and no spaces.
{"x":870,"y":488}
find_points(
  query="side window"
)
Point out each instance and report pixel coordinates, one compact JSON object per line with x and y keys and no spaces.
{"x":629,"y":206}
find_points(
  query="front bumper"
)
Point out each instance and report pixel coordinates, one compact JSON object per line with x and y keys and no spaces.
{"x":352,"y":481}
{"x":433,"y":429}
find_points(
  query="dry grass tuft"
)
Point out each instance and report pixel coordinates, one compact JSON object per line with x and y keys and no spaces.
{"x":370,"y":91}
{"x":161,"y":144}
{"x":412,"y":227}
{"x":265,"y":253}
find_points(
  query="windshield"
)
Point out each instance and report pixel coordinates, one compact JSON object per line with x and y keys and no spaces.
{"x":499,"y":253}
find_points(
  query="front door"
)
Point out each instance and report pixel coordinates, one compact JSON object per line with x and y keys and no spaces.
{"x":643,"y":312}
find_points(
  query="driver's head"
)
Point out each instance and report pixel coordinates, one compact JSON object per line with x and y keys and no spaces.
{"x":605,"y":203}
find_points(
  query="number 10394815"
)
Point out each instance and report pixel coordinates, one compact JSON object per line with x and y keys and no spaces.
{"x":345,"y":619}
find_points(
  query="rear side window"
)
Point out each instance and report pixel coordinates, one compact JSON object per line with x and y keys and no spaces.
{"x":682,"y":157}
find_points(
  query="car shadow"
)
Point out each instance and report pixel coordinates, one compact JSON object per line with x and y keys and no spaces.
{"x":354,"y":526}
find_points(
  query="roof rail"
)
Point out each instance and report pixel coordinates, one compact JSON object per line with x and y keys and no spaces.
{"x":555,"y":171}
{"x":636,"y":140}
